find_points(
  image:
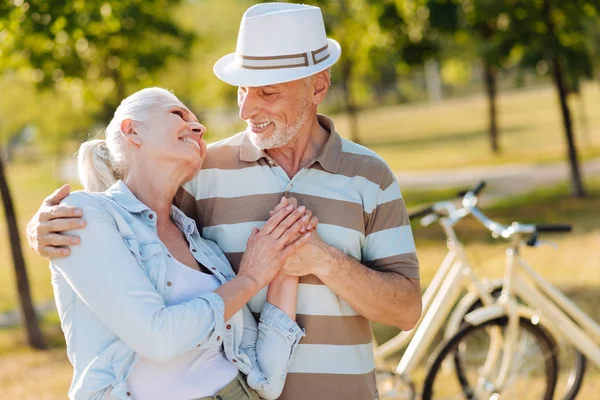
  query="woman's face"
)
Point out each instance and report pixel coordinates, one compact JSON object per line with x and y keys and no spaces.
{"x":172,"y":136}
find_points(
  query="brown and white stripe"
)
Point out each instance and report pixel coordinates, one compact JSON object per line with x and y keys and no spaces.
{"x":361,"y":211}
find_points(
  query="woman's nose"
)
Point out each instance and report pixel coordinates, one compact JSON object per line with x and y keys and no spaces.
{"x":197,"y":127}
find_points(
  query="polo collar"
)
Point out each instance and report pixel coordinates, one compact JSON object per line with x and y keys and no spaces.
{"x":329,"y":157}
{"x":331,"y":153}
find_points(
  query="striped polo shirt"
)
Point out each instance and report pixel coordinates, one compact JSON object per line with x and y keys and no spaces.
{"x":361,"y":212}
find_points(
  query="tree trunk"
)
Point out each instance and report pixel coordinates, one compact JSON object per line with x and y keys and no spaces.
{"x":349,"y":105}
{"x":491,"y":91}
{"x":577,"y":188}
{"x":34,"y":334}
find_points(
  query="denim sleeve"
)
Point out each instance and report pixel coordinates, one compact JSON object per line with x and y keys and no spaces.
{"x":108,"y":279}
{"x":271,"y":351}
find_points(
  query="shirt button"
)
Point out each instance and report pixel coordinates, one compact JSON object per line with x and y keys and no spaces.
{"x":151,"y":216}
{"x":291,"y":330}
{"x":128,"y":394}
{"x":218,"y":338}
{"x":170,"y":256}
{"x":213,"y":268}
{"x":228,"y":327}
{"x":169,"y":283}
{"x":194,"y":250}
{"x":234,"y":360}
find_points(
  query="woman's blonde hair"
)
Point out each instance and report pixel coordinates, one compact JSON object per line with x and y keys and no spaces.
{"x":101,"y":162}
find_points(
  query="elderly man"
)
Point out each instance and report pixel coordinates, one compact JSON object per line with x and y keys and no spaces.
{"x":361,"y":265}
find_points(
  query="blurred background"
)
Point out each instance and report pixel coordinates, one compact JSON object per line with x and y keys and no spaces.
{"x":447,"y":91}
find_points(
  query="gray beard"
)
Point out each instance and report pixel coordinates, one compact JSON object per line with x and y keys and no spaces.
{"x":282,"y":135}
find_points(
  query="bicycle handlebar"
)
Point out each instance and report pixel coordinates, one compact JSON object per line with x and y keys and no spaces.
{"x":469,"y":207}
{"x":554,"y":228}
{"x":475,"y":190}
{"x":421,"y":213}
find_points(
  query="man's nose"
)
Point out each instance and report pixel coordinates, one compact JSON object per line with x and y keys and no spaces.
{"x":248,"y":105}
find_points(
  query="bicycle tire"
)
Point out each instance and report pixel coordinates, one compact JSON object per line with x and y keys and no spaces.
{"x":544,"y":342}
{"x":577,"y":367}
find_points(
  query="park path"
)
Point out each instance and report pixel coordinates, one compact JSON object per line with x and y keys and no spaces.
{"x":503,"y":181}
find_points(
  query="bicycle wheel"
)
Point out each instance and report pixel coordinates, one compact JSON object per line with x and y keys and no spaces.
{"x":572,"y":364}
{"x":478,"y":348}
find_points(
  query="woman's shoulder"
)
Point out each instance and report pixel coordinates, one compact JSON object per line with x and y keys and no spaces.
{"x":81,"y":198}
{"x":91,"y":202}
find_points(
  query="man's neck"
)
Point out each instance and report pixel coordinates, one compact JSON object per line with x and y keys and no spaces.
{"x":297,"y":154}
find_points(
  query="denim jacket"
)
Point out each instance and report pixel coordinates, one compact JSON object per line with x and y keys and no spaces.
{"x":111,"y":295}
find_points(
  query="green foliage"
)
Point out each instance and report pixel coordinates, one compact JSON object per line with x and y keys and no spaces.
{"x":55,"y":114}
{"x":216,"y":22}
{"x":514,"y":32}
{"x":99,"y":48}
{"x":570,"y":41}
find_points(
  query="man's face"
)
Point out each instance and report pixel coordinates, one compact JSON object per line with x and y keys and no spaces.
{"x":275,"y":113}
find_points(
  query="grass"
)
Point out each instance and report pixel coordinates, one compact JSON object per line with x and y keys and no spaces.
{"x":453,"y":134}
{"x":448,"y":135}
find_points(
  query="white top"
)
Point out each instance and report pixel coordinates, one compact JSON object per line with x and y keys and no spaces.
{"x":197,"y":373}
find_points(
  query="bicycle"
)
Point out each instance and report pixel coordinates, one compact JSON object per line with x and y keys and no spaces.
{"x":454,"y":276}
{"x":441,"y":302}
{"x":527,"y":300}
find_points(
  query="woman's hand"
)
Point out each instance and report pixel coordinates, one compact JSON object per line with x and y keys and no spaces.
{"x":310,"y":221}
{"x":269,"y":247}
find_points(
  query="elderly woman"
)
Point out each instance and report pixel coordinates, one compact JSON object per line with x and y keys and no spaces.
{"x":149,"y":309}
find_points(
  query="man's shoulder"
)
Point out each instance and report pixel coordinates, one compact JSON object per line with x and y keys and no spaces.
{"x":231,"y":141}
{"x":365,"y":162}
{"x":367,"y":155}
{"x":224,"y":152}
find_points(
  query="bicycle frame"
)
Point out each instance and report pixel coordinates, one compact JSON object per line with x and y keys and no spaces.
{"x":558,"y":311}
{"x":452,"y":277}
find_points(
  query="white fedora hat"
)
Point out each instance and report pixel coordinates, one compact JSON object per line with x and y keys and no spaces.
{"x":278,"y":42}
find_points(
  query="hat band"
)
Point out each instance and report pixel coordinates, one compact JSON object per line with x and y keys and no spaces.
{"x":285,"y":61}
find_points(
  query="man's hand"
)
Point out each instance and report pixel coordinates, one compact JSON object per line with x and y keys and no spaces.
{"x":313,"y":257}
{"x":43,"y":231}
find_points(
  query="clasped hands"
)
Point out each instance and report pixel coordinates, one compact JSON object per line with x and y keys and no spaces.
{"x":286,"y":246}
{"x":312,"y":255}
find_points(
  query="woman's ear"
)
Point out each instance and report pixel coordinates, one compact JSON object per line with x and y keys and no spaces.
{"x":128,"y":132}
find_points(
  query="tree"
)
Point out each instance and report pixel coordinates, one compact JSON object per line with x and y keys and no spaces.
{"x":35,"y":338}
{"x":9,"y":106}
{"x":98,"y":47}
{"x":353,"y":23}
{"x":485,"y":24}
{"x":13,"y":118}
{"x":555,"y":33}
{"x":549,"y":31}
{"x":94,"y":50}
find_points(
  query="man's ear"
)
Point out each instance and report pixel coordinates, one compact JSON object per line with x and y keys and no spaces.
{"x":128,"y":132}
{"x":321,"y":84}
